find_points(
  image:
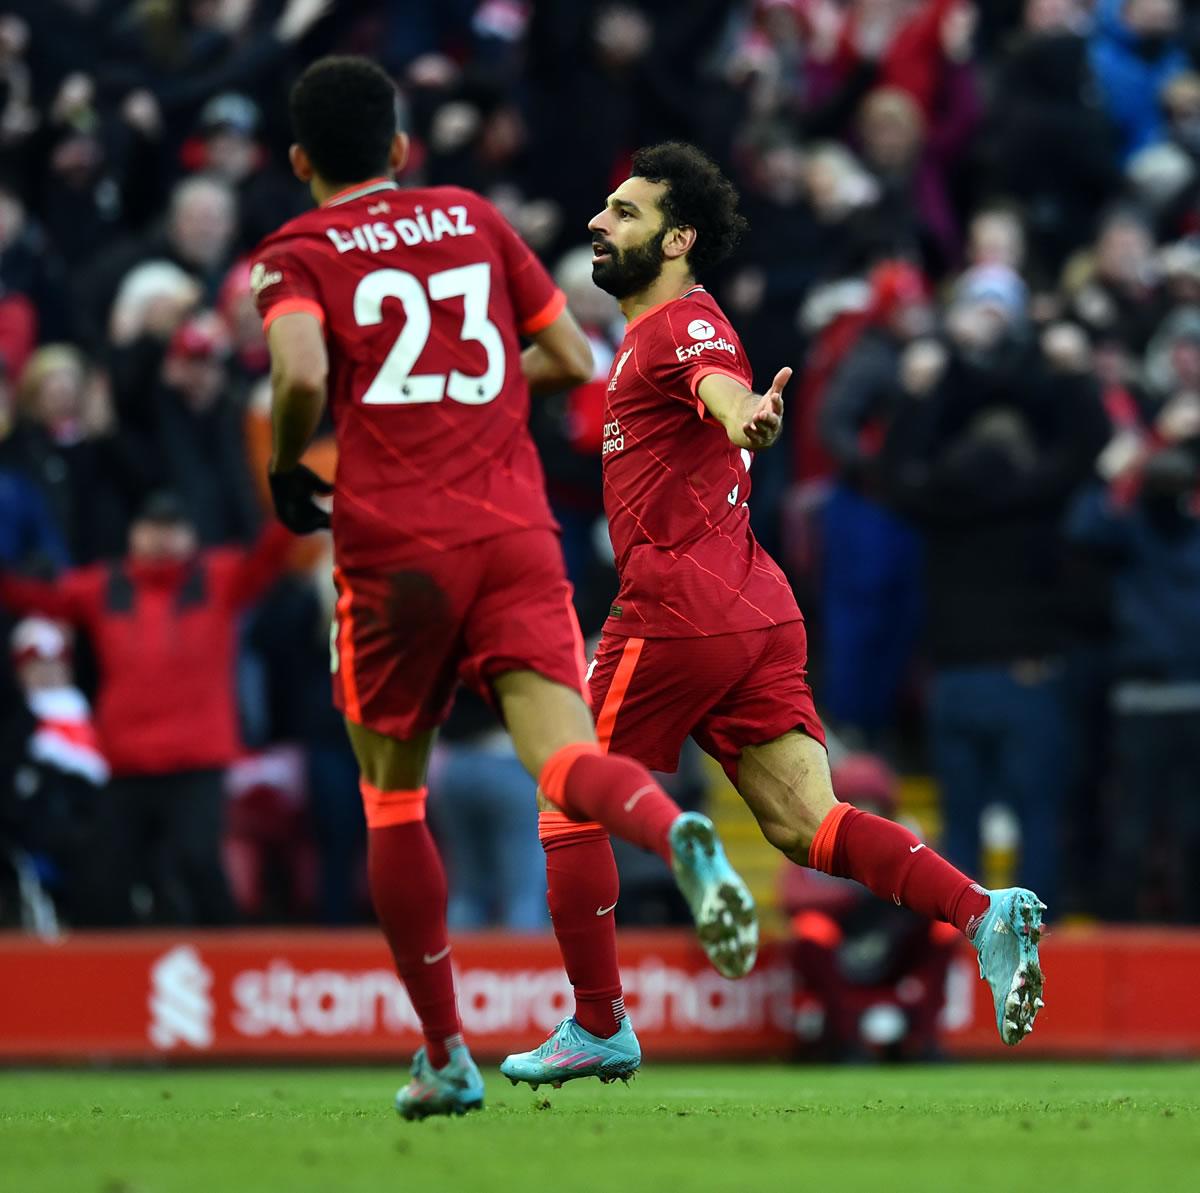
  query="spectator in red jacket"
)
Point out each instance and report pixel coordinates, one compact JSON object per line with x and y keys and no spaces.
{"x":163,"y":624}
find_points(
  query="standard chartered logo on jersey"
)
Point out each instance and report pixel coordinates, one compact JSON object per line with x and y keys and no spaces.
{"x":180,"y":1002}
{"x":614,"y":438}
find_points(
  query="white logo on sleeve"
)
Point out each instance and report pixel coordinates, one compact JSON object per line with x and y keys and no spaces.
{"x":698,"y":329}
{"x":181,"y":1004}
{"x":261,"y":277}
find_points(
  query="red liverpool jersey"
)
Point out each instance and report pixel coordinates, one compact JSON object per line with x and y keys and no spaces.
{"x":675,"y":488}
{"x":423,"y":295}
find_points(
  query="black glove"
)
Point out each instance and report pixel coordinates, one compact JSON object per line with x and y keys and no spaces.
{"x":292,"y":493}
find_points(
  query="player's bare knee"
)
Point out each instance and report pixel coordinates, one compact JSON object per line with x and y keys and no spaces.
{"x":541,"y":716}
{"x":791,"y":839}
{"x":387,"y":763}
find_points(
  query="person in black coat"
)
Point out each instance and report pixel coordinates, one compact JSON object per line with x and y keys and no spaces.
{"x":990,"y":442}
{"x":1050,"y":145}
{"x":189,"y":431}
{"x":65,"y":441}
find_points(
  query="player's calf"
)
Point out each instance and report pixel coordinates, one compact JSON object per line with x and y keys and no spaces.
{"x":609,"y":789}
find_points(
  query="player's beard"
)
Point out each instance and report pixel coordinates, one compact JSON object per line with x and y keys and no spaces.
{"x":631,"y":270}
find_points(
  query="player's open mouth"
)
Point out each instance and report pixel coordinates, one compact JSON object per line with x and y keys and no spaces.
{"x":600,"y":252}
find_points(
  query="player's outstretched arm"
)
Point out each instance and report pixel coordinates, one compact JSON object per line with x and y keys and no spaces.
{"x":751,"y":420}
{"x":559,"y":357}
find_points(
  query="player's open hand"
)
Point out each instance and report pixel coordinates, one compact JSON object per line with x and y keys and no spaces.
{"x":764,"y":425}
{"x":294,"y":494}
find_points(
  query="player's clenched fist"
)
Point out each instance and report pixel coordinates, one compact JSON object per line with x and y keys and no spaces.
{"x":293,"y":493}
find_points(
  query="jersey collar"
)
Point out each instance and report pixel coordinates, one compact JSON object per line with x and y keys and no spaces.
{"x":696,"y":289}
{"x":359,"y":189}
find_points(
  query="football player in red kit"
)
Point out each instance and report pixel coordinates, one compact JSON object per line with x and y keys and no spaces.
{"x":705,"y":637}
{"x":404,"y":309}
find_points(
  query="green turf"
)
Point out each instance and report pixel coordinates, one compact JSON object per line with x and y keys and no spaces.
{"x":1009,"y":1126}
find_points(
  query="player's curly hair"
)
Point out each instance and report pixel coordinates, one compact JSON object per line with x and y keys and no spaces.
{"x":344,"y":112}
{"x":698,"y":196}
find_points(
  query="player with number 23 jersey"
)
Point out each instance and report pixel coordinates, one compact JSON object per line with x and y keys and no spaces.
{"x":443,"y":266}
{"x":422,"y":293}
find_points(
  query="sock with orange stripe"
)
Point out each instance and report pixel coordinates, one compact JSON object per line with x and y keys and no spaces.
{"x":614,"y":791}
{"x":408,"y":888}
{"x":889,"y":861}
{"x":582,"y":887}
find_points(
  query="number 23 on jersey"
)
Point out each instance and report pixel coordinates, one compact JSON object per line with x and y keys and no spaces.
{"x":396,"y":384}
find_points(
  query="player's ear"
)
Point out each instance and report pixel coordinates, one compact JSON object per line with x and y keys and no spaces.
{"x":679,"y":242}
{"x":398,"y":158}
{"x":301,"y":165}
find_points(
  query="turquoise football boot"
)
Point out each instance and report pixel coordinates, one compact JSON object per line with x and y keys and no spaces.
{"x":454,"y":1089}
{"x":571,"y":1053}
{"x":721,"y":903}
{"x":1007,"y":942}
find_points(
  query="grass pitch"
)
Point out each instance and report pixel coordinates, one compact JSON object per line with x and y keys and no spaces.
{"x":1009,"y":1126}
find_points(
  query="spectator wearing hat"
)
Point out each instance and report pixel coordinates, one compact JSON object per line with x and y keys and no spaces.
{"x":993,"y":435}
{"x":227,"y":145}
{"x":872,"y":976}
{"x":871,"y":558}
{"x":52,"y":773}
{"x":190,"y":433}
{"x":163,"y":623}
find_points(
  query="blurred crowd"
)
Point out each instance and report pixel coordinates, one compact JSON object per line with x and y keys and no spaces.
{"x":975,"y":232}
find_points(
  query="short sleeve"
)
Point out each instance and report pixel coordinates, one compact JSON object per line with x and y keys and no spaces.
{"x":702,"y":342}
{"x":283,"y":284}
{"x":536,"y":300}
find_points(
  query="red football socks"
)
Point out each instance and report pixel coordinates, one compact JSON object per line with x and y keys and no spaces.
{"x":889,"y":861}
{"x":408,"y":888}
{"x":613,"y":791}
{"x":582,"y":890}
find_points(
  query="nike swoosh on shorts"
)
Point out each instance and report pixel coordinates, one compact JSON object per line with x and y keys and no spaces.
{"x":436,"y":957}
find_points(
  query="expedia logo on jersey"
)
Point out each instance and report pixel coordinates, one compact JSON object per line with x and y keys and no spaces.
{"x":721,"y":343}
{"x":614,"y":439}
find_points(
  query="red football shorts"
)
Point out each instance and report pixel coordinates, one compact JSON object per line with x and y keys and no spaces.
{"x":404,"y":637}
{"x":728,"y":691}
